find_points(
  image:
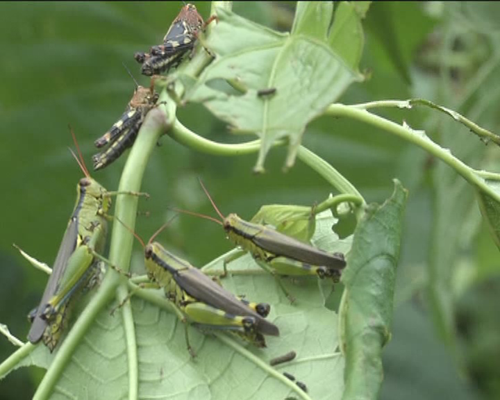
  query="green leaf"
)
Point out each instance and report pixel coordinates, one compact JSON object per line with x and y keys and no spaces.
{"x":99,"y":366}
{"x":490,"y":209}
{"x":313,"y":18}
{"x":368,"y":303}
{"x":306,"y":74}
{"x":296,"y":221}
{"x":346,"y":37}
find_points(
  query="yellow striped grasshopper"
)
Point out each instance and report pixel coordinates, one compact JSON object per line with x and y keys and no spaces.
{"x":75,"y":268}
{"x":201,"y":301}
{"x":274,"y":251}
{"x":123,"y":133}
{"x":177,"y":43}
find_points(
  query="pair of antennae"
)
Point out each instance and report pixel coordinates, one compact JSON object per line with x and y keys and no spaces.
{"x":79,"y":158}
{"x":202,"y":215}
{"x":154,"y":234}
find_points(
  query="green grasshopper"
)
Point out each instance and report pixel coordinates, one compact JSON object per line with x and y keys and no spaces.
{"x":203,"y":302}
{"x":276,"y":252}
{"x":75,"y":268}
{"x":177,"y":43}
{"x":124,"y":132}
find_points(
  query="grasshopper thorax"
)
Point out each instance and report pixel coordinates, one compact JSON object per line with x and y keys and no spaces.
{"x":143,"y":96}
{"x":230,"y":222}
{"x":89,"y":188}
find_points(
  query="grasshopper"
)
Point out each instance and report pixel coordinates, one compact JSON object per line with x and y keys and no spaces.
{"x":75,"y":267}
{"x":274,"y":251}
{"x":124,"y":132}
{"x":202,"y":301}
{"x":178,"y":41}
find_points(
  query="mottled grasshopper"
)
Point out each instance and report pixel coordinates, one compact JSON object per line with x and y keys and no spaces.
{"x":179,"y":40}
{"x":122,"y":134}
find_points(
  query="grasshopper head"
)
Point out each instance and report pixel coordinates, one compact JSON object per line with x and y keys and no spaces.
{"x":230,"y":222}
{"x":142,"y":96}
{"x":193,"y":21}
{"x":149,"y":251}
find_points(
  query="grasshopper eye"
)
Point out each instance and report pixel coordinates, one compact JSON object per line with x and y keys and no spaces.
{"x":148,"y":252}
{"x":339,"y":255}
{"x":84,"y":182}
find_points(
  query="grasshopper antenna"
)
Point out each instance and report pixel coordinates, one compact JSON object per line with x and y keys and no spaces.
{"x":131,"y":231}
{"x":132,"y":76}
{"x":152,"y":237}
{"x":179,"y":210}
{"x":79,"y":158}
{"x":162,"y":228}
{"x":211,"y":200}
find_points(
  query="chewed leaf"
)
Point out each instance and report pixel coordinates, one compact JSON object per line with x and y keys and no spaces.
{"x":283,"y":81}
{"x":369,"y":281}
{"x":225,"y":366}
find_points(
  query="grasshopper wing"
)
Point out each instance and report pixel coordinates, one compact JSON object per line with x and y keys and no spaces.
{"x":283,"y":245}
{"x":67,"y":247}
{"x":201,"y":287}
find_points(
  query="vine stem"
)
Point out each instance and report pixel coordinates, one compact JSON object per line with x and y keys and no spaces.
{"x":120,"y":254}
{"x":190,"y":139}
{"x":420,"y":139}
{"x":15,"y":358}
{"x":484,"y":134}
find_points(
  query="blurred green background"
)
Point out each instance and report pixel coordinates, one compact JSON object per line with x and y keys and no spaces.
{"x":62,"y":64}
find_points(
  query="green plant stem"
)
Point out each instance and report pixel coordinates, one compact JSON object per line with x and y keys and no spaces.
{"x":15,"y":358}
{"x":336,"y":200}
{"x":190,"y":139}
{"x":420,"y":139}
{"x":120,"y":254}
{"x":484,"y":134}
{"x":330,"y":174}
